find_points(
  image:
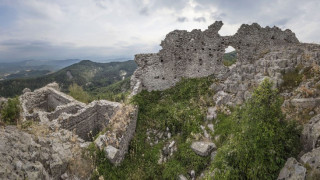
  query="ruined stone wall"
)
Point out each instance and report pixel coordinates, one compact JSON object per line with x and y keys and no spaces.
{"x":90,"y":120}
{"x":120,"y":130}
{"x":58,"y":110}
{"x":199,"y":54}
{"x":45,"y":99}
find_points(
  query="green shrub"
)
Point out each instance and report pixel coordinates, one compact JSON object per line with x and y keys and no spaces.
{"x":262,"y":140}
{"x":10,"y":113}
{"x":78,"y":93}
{"x":291,"y":79}
{"x":229,"y":58}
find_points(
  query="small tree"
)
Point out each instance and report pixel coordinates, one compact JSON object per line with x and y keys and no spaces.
{"x":78,"y":93}
{"x":10,"y":113}
{"x":263,"y":142}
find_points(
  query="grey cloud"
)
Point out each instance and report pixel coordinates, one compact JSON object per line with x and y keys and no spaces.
{"x":38,"y":50}
{"x":144,"y":11}
{"x":218,"y":16}
{"x":182,"y":19}
{"x":281,"y":22}
{"x":200,"y":19}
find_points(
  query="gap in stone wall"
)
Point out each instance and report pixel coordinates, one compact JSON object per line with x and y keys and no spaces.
{"x":230,"y":56}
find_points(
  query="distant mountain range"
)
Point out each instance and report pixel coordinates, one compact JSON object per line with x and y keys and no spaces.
{"x":50,"y":65}
{"x":90,"y":75}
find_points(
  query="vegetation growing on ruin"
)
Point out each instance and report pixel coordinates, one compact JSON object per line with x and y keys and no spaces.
{"x":256,"y":140}
{"x":291,"y":79}
{"x":78,"y":93}
{"x":11,"y":111}
{"x":117,"y":91}
{"x":229,"y":58}
{"x":182,"y":109}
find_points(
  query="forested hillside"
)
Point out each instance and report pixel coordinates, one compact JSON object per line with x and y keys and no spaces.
{"x":90,"y":75}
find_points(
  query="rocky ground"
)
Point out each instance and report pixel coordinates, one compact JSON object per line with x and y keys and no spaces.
{"x":39,"y":153}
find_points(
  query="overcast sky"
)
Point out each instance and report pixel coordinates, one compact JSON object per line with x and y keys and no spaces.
{"x":108,"y":29}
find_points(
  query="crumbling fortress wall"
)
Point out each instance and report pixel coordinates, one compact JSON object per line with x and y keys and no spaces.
{"x":261,"y":53}
{"x":50,"y":106}
{"x":199,"y":54}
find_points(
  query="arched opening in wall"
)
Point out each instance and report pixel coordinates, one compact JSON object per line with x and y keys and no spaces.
{"x":230,"y":56}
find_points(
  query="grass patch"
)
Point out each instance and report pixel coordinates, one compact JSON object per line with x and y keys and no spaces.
{"x":182,"y":109}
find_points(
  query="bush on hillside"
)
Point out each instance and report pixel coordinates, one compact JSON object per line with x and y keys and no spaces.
{"x":10,"y":112}
{"x":78,"y":93}
{"x":261,"y":140}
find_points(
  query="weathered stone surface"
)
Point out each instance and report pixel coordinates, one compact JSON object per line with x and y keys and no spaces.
{"x":292,"y":170}
{"x":203,"y":148}
{"x":26,"y":156}
{"x":199,"y":54}
{"x":121,"y":128}
{"x":212,"y":113}
{"x":111,"y":152}
{"x":306,"y":102}
{"x":59,"y":110}
{"x":311,"y":134}
{"x":312,"y":161}
{"x":261,"y":53}
{"x":222,"y":98}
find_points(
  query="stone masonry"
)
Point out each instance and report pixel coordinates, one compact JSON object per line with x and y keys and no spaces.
{"x":261,"y":52}
{"x":199,"y":54}
{"x":58,"y":110}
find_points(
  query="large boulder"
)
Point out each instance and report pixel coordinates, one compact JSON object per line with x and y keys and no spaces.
{"x":203,"y":148}
{"x":292,"y":170}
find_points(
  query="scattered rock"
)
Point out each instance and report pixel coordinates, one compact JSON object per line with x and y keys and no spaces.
{"x":111,"y":152}
{"x":211,"y":127}
{"x":311,"y":113}
{"x":211,"y":114}
{"x":222,"y":98}
{"x":203,"y":148}
{"x":192,"y":174}
{"x":213,"y":155}
{"x":167,"y":152}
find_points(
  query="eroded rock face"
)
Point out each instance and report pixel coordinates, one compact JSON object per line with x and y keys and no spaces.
{"x":292,"y":170}
{"x":26,"y":156}
{"x":311,"y":134}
